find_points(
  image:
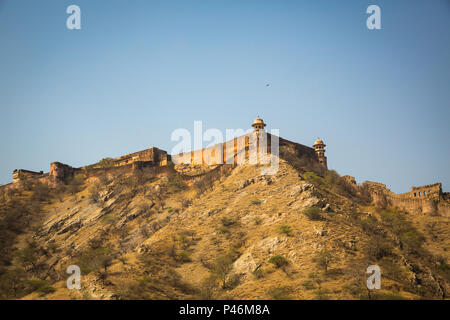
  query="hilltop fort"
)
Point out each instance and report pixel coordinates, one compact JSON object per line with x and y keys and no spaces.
{"x":428,"y":199}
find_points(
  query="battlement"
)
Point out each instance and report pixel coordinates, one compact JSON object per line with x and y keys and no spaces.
{"x":427,"y":199}
{"x":430,"y":190}
{"x":250,"y":148}
{"x":375,"y":184}
{"x":22,"y":174}
{"x":156,"y":156}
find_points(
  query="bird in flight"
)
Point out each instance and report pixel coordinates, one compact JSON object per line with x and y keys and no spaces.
{"x":267,"y":84}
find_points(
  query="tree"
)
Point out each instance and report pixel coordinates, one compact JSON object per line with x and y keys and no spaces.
{"x":323,"y":259}
{"x":221,"y":267}
{"x":10,"y":283}
{"x":28,"y":257}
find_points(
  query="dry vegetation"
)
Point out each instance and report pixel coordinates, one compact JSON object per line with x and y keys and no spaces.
{"x":304,"y":233}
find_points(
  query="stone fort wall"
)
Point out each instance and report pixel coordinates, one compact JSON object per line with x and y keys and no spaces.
{"x":250,"y":148}
{"x":428,"y":199}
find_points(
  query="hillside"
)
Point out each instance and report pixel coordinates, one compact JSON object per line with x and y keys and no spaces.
{"x":298,"y":234}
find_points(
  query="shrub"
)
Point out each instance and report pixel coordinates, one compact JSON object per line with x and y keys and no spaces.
{"x":205,"y":183}
{"x":220,"y":268}
{"x":233,"y":281}
{"x":403,"y":229}
{"x":107,"y":218}
{"x":184,"y":256}
{"x":280,"y":293}
{"x":379,"y":249}
{"x":256,"y":202}
{"x":95,"y":259}
{"x":223,"y":230}
{"x":444,"y":267}
{"x":28,"y":257}
{"x":313,"y":178}
{"x":74,"y":183}
{"x":412,"y":239}
{"x":11,"y":283}
{"x":227,"y":221}
{"x":257,"y":220}
{"x":104,"y":163}
{"x":279,"y":261}
{"x":185,"y":203}
{"x":40,"y":286}
{"x":285,"y":229}
{"x":338,"y":184}
{"x":308,"y":284}
{"x":370,"y":224}
{"x":176,"y":183}
{"x":323,"y":259}
{"x":94,"y":191}
{"x":207,"y":287}
{"x":258,"y":273}
{"x":313,"y":213}
{"x":322,"y":294}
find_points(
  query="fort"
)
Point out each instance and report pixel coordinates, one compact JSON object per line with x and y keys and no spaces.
{"x":428,"y":199}
{"x":248,"y":148}
{"x":22,"y":174}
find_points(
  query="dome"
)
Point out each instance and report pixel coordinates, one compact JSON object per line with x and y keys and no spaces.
{"x":318,"y":142}
{"x":258,"y":122}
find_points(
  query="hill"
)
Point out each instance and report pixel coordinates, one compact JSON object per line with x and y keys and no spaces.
{"x":230,"y":233}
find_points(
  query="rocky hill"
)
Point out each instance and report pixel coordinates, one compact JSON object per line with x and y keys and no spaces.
{"x":302,"y":233}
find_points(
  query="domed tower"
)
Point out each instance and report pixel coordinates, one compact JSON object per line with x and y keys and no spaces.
{"x":258,"y":124}
{"x":319,"y":146}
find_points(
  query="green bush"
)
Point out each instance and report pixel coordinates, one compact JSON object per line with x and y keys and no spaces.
{"x":313,"y":178}
{"x":40,"y":286}
{"x":257,"y":220}
{"x":285,"y":229}
{"x":95,"y":259}
{"x":412,"y":239}
{"x":258,"y":273}
{"x":322,"y":294}
{"x":379,"y":249}
{"x":408,"y":235}
{"x":444,"y":267}
{"x":184,"y":256}
{"x":323,"y":259}
{"x":279,"y":261}
{"x":176,"y":183}
{"x":313,"y":213}
{"x":308,"y":284}
{"x":227,"y":221}
{"x":104,"y":163}
{"x":280,"y":293}
{"x":223,"y":230}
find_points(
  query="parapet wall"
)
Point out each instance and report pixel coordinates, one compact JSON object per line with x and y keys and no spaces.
{"x":60,"y":171}
{"x":251,"y":148}
{"x":427,"y":199}
{"x":154,"y":155}
{"x":21,"y":174}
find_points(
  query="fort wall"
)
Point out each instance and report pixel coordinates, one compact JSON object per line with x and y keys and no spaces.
{"x":427,"y":199}
{"x":250,"y":148}
{"x":154,"y":155}
{"x":21,"y":174}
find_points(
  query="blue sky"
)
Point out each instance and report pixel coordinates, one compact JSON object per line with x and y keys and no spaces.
{"x":137,"y":70}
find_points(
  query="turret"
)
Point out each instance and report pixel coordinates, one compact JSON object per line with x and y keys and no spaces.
{"x":319,"y":146}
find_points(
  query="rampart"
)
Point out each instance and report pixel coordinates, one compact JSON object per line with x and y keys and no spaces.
{"x":154,"y":155}
{"x":428,"y":199}
{"x":250,"y":148}
{"x":21,"y":174}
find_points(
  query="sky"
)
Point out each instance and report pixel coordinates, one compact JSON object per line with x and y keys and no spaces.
{"x":138,"y":70}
